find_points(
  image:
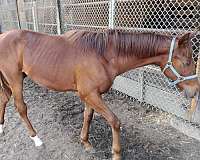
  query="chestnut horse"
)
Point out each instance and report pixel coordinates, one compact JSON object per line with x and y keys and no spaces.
{"x":88,"y":62}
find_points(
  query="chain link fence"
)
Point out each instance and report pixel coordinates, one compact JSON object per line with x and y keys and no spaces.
{"x":40,"y":15}
{"x":147,"y":84}
{"x":8,"y":14}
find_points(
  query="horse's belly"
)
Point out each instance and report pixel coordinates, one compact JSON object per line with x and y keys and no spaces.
{"x":57,"y":85}
{"x":59,"y":82}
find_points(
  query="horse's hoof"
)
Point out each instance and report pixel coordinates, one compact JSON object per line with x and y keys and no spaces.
{"x":2,"y":134}
{"x":116,"y":157}
{"x":41,"y":147}
{"x":1,"y":129}
{"x":38,"y":142}
{"x":88,"y":147}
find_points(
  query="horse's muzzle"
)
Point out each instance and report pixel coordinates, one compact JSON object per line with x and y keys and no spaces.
{"x":190,"y":93}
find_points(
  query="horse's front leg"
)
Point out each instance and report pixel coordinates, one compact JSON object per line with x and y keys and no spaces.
{"x":95,"y":101}
{"x":88,"y":115}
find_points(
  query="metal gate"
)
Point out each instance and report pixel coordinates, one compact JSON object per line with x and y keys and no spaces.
{"x":145,"y":84}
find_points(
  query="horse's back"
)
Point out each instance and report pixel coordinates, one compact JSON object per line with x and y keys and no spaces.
{"x":53,"y":61}
{"x":49,"y":60}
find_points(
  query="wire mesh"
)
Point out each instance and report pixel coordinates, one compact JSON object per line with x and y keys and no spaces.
{"x":40,"y":15}
{"x":8,"y":15}
{"x":166,"y":17}
{"x":85,"y":14}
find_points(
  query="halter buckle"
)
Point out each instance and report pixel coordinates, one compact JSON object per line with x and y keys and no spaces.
{"x":169,"y":63}
{"x":181,"y":78}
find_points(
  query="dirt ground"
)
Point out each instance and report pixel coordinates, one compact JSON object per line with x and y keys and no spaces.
{"x":146,"y":135}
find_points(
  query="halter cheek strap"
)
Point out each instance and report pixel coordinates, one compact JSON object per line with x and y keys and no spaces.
{"x":171,"y":67}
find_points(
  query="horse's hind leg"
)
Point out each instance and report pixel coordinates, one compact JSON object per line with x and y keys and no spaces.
{"x":17,"y":91}
{"x":5,"y":94}
{"x":88,"y":114}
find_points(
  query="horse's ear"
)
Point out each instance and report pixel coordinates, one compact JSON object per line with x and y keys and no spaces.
{"x":185,"y":40}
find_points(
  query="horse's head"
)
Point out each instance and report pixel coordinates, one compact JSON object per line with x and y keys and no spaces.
{"x":180,"y":67}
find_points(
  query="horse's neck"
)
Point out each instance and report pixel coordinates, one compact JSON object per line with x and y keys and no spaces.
{"x":125,"y":64}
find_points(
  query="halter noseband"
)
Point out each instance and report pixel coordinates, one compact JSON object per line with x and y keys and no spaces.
{"x":171,"y":67}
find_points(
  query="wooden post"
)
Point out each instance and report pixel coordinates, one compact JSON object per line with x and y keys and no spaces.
{"x":195,"y":99}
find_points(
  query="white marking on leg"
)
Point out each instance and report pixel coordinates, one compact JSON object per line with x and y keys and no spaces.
{"x":37,"y":140}
{"x":1,"y":128}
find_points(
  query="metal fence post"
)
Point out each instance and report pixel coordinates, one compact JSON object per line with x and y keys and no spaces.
{"x":18,"y":14}
{"x":35,"y":19}
{"x":111,"y":13}
{"x":195,"y":101}
{"x":58,"y":17}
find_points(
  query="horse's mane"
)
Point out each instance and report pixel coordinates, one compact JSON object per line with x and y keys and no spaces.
{"x":125,"y":43}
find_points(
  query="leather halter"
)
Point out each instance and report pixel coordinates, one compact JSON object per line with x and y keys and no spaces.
{"x":170,"y":66}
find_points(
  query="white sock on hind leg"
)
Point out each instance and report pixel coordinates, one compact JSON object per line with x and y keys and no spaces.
{"x":37,"y":140}
{"x":1,"y":128}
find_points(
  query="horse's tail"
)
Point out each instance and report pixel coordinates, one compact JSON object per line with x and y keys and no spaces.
{"x":2,"y":81}
{"x":0,"y":30}
{"x":4,"y":87}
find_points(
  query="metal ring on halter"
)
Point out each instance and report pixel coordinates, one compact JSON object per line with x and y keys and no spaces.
{"x":169,"y":65}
